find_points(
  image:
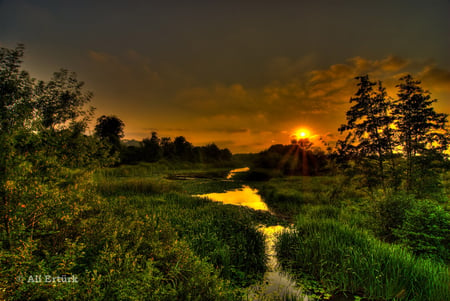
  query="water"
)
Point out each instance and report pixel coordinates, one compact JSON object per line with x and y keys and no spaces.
{"x":276,"y":285}
{"x":244,"y":196}
{"x":234,"y":171}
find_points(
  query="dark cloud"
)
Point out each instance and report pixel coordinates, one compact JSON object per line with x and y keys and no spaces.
{"x":252,"y":72}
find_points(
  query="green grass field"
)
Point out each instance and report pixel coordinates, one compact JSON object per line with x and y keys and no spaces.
{"x":333,"y":249}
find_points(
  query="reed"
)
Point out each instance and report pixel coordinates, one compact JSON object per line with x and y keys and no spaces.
{"x":345,"y":259}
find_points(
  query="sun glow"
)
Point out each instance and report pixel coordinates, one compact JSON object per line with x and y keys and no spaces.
{"x":301,"y":134}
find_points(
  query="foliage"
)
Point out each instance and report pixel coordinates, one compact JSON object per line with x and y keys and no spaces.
{"x":421,"y":130}
{"x":397,"y":141}
{"x":61,"y":101}
{"x":110,"y":129}
{"x":369,"y":132}
{"x":388,"y":213}
{"x":426,"y":230}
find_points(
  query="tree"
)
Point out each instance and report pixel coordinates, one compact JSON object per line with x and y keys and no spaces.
{"x":41,"y":197}
{"x":16,"y":91}
{"x":369,"y":129}
{"x":422,"y":132}
{"x":110,"y":129}
{"x":62,"y":99}
{"x":183,"y":149}
{"x":151,"y":147}
{"x":16,"y":107}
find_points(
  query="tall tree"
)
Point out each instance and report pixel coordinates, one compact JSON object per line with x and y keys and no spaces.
{"x":422,"y":132}
{"x":369,"y":127}
{"x":110,"y":129}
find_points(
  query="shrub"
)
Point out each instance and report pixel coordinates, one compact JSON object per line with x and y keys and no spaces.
{"x":388,"y":213}
{"x":426,"y":230}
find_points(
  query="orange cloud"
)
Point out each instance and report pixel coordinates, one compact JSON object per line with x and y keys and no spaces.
{"x":255,"y":116}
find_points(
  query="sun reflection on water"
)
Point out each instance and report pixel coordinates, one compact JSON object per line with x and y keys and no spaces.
{"x":245,"y":196}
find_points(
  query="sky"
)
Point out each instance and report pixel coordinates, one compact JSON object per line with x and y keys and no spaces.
{"x":241,"y":74}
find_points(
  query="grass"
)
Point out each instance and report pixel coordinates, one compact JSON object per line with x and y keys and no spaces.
{"x":329,"y":252}
{"x":287,"y":196}
{"x":345,"y":259}
{"x":223,"y":235}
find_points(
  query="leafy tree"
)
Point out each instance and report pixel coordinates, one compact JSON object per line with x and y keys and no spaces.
{"x":44,"y":187}
{"x":16,"y":91}
{"x":110,"y":129}
{"x":369,"y":133}
{"x":16,"y":107}
{"x":62,"y":99}
{"x":422,"y":132}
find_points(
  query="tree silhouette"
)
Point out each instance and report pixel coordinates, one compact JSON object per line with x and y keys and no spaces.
{"x":110,"y":129}
{"x":422,"y":132}
{"x":369,"y":131}
{"x":152,"y":150}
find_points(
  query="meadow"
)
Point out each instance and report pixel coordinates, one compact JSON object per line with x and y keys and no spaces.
{"x":142,"y":234}
{"x":336,"y":248}
{"x":223,"y":237}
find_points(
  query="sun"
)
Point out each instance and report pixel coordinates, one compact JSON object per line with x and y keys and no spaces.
{"x":301,"y":133}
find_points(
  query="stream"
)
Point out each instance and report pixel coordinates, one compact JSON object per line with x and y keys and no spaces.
{"x":277,"y":285}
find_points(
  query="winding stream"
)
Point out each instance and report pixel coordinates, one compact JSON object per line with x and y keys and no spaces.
{"x":277,"y":285}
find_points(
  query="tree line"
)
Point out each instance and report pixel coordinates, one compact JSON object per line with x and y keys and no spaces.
{"x":154,"y":148}
{"x":298,"y":158}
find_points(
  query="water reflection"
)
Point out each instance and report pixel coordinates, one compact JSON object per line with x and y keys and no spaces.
{"x":234,"y":171}
{"x":245,"y":196}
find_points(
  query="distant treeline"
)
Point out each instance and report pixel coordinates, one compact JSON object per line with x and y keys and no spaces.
{"x":297,"y":158}
{"x":154,"y":149}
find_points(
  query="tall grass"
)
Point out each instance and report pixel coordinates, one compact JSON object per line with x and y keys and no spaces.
{"x":345,"y":259}
{"x":224,"y":236}
{"x":286,"y":196}
{"x":132,"y":186}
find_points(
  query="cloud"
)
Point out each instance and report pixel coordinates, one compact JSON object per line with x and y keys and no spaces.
{"x":292,"y":95}
{"x":436,"y":77}
{"x":130,"y":66}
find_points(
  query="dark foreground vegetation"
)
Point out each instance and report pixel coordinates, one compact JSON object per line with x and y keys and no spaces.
{"x":370,"y":218}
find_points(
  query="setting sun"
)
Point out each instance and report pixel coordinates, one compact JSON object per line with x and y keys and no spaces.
{"x":301,"y":133}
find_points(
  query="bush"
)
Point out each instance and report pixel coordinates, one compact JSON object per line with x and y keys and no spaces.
{"x":388,"y":213}
{"x":426,"y":230}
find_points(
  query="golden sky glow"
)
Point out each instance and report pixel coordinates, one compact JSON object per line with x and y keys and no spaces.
{"x":242,"y":74}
